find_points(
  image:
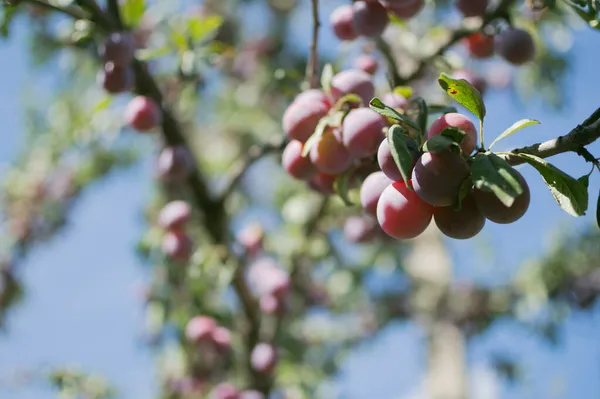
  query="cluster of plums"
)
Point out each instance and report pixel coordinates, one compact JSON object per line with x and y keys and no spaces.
{"x":401,"y":212}
{"x":369,"y":18}
{"x":436,"y":180}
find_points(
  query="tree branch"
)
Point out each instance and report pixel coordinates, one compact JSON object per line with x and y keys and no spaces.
{"x":71,"y":11}
{"x":312,"y":67}
{"x":575,"y":140}
{"x":386,"y":51}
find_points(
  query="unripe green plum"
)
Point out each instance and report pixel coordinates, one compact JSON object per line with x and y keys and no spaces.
{"x":143,"y":114}
{"x":462,"y":224}
{"x":472,"y":8}
{"x":303,"y":114}
{"x":493,"y":209}
{"x":353,"y":81}
{"x":295,"y":164}
{"x":515,"y":46}
{"x":342,"y":21}
{"x":329,"y":155}
{"x":371,"y":190}
{"x":404,"y":9}
{"x":459,"y":121}
{"x":401,"y":213}
{"x":437,"y":178}
{"x":370,"y":18}
{"x":363,"y":132}
{"x":480,"y":45}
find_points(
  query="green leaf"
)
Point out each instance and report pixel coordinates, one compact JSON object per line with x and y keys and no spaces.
{"x":199,"y":28}
{"x":404,"y":91}
{"x":441,"y":109}
{"x":585,"y":180}
{"x":149,"y":54}
{"x":404,"y":150}
{"x":378,"y":106}
{"x":316,"y":136}
{"x":465,"y":94}
{"x":103,"y":104}
{"x":341,"y":186}
{"x":465,"y":189}
{"x":326,"y":77}
{"x":515,"y":128}
{"x":348,"y":98}
{"x":455,"y":134}
{"x":492,"y":173}
{"x":132,"y":11}
{"x":423,"y":113}
{"x":438,"y":143}
{"x":570,"y":193}
{"x":8,"y":14}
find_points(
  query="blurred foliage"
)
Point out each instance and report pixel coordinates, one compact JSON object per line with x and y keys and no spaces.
{"x":229,"y":89}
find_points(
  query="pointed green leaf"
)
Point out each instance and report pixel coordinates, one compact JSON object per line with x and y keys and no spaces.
{"x":465,"y":189}
{"x":585,"y":180}
{"x":423,"y":113}
{"x":455,"y":134}
{"x":492,"y":173}
{"x":568,"y":192}
{"x":326,"y":77}
{"x":319,"y":130}
{"x":515,"y":128}
{"x":465,"y":94}
{"x":439,"y":143}
{"x":341,"y":186}
{"x":404,"y":150}
{"x":199,"y":28}
{"x":132,"y":11}
{"x":441,"y":109}
{"x":348,"y":98}
{"x":378,"y":106}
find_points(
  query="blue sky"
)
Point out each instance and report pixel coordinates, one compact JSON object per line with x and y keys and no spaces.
{"x":81,"y":306}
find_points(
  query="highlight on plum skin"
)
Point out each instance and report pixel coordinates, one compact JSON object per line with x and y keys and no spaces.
{"x":371,"y":189}
{"x":361,"y":229}
{"x":460,"y":224}
{"x":353,"y":81}
{"x":342,"y":22}
{"x":143,"y":114}
{"x":295,"y":164}
{"x":367,"y":63}
{"x":301,"y":117}
{"x":363,"y":132}
{"x":401,"y":213}
{"x":386,"y":161}
{"x":459,"y":121}
{"x":437,"y":178}
{"x":174,"y":215}
{"x":495,"y":211}
{"x":328,"y":154}
{"x":370,"y":18}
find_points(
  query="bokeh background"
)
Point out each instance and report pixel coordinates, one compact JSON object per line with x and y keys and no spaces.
{"x":83,"y":302}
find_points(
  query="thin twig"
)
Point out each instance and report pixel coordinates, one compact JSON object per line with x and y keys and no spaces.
{"x":114,"y":12}
{"x":312,"y":66}
{"x":579,"y":137}
{"x":386,"y":51}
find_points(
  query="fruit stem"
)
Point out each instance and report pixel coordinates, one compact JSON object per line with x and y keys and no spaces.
{"x":481,"y":134}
